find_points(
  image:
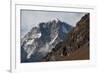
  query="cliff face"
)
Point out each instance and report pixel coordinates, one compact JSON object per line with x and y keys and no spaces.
{"x":40,"y":40}
{"x":75,"y":46}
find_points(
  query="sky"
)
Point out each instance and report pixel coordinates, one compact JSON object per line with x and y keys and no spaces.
{"x":31,"y":18}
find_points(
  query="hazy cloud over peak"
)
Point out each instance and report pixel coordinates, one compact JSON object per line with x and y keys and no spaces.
{"x":31,"y":18}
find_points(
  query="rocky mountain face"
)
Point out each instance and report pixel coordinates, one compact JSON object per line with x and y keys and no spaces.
{"x":75,"y":45}
{"x":40,"y":41}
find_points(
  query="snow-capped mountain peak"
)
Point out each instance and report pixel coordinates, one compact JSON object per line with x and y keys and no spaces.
{"x":40,"y":40}
{"x":55,"y":20}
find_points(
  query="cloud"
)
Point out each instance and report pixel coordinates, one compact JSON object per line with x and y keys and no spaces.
{"x":31,"y":18}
